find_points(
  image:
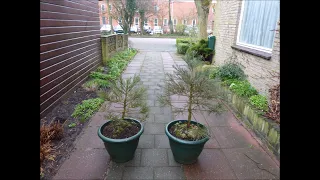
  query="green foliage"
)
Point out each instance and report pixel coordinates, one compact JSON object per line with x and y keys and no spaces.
{"x":200,"y":49}
{"x":192,"y":133}
{"x":100,"y":69}
{"x":129,"y":94}
{"x":182,"y":40}
{"x":98,"y":75}
{"x":71,"y":125}
{"x":95,"y":84}
{"x":243,"y":88}
{"x":214,"y":73}
{"x":118,"y":63}
{"x":87,"y":108}
{"x":182,"y":48}
{"x":259,"y":101}
{"x":180,"y":28}
{"x":231,"y":70}
{"x":194,"y":83}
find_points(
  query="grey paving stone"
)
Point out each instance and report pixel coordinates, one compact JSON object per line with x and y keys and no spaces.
{"x":162,"y":118}
{"x":161,"y":141}
{"x":154,"y":157}
{"x":173,"y":173}
{"x":138,"y":173}
{"x":154,"y":128}
{"x":248,"y":163}
{"x":146,"y":141}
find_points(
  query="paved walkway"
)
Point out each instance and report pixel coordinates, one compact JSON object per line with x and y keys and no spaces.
{"x":231,"y":153}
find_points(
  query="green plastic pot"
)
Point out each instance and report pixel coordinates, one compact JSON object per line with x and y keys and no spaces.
{"x":185,"y":152}
{"x":121,"y":150}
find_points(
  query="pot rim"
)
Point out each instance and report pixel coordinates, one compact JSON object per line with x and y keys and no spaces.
{"x":104,"y":138}
{"x":205,"y":139}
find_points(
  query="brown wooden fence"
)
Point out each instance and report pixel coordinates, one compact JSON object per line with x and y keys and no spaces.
{"x":69,"y":47}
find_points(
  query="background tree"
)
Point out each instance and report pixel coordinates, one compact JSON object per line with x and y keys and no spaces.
{"x":183,"y":14}
{"x":124,"y":10}
{"x":170,"y":20}
{"x":145,"y":10}
{"x":203,"y":7}
{"x":109,"y":16}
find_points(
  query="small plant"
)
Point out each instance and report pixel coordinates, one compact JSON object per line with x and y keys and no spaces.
{"x":201,"y":49}
{"x":100,"y":69}
{"x":98,"y":75}
{"x":95,"y":84}
{"x":259,"y":102}
{"x":194,"y":83}
{"x":231,"y":70}
{"x":274,"y":107}
{"x":182,"y":48}
{"x":243,"y":88}
{"x":131,"y":96}
{"x":71,"y":125}
{"x":48,"y":133}
{"x":87,"y":108}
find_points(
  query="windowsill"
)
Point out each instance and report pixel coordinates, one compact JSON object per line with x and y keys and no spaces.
{"x":254,"y":52}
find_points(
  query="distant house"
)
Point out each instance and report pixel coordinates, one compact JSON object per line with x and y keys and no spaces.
{"x":249,"y":31}
{"x":182,"y":12}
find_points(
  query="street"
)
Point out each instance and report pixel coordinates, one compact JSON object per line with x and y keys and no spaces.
{"x":153,"y":44}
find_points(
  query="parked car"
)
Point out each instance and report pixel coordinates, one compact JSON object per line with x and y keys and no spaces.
{"x":118,"y":30}
{"x":134,"y":29}
{"x":158,"y":30}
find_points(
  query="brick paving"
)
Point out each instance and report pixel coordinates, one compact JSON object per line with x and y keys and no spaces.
{"x":231,"y":152}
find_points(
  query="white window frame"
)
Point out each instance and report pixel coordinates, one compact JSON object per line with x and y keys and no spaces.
{"x":145,"y":23}
{"x":195,"y":22}
{"x":155,"y":22}
{"x":185,"y":22}
{"x":110,"y":6}
{"x":251,"y":46}
{"x":155,"y":8}
{"x":174,"y":22}
{"x":164,"y":21}
{"x":135,"y":21}
{"x":104,"y":8}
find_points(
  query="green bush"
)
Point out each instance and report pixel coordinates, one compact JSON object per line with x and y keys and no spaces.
{"x":200,"y":49}
{"x":243,"y":88}
{"x":214,"y":73}
{"x":95,"y":84}
{"x":98,"y":75}
{"x":182,"y":40}
{"x":182,"y":48}
{"x":231,"y":71}
{"x":259,"y":102}
{"x":180,"y":28}
{"x":87,"y":108}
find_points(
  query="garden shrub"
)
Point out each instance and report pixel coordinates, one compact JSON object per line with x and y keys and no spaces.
{"x":87,"y":108}
{"x":182,"y":40}
{"x":231,"y":70}
{"x":180,"y":28}
{"x":259,"y":101}
{"x":200,"y":49}
{"x":182,"y":48}
{"x":98,"y":75}
{"x":95,"y":84}
{"x":243,"y":88}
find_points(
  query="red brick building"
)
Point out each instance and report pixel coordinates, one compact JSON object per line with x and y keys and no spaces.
{"x":182,"y":12}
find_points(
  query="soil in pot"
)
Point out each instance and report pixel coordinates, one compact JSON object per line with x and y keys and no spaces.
{"x":121,"y":129}
{"x":191,"y":133}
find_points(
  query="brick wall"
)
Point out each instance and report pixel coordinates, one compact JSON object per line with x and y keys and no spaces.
{"x":226,"y":20}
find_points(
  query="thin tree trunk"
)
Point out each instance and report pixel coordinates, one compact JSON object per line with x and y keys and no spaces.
{"x":203,"y":12}
{"x":110,"y":19}
{"x":170,"y":21}
{"x":141,"y":22}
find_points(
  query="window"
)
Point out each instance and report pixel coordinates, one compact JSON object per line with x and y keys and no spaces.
{"x":194,"y":22}
{"x":258,"y":20}
{"x":174,"y":22}
{"x":119,"y":21}
{"x":185,"y":22}
{"x":156,"y":8}
{"x":145,"y":22}
{"x":156,"y":22}
{"x":110,"y":7}
{"x":104,"y":20}
{"x":102,"y":8}
{"x":165,"y":22}
{"x":136,"y":21}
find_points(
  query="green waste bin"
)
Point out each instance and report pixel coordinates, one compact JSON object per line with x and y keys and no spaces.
{"x":211,"y":42}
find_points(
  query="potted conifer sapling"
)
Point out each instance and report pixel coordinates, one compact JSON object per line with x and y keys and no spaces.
{"x":126,"y":108}
{"x":187,"y":137}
